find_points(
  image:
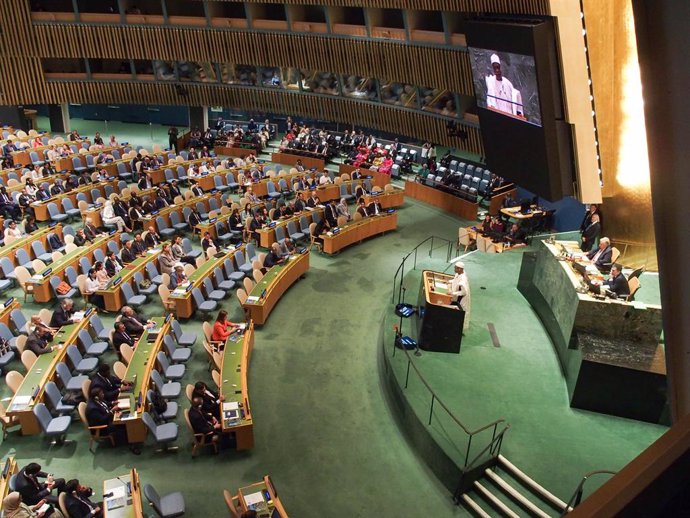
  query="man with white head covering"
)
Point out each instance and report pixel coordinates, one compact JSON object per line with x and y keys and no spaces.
{"x":459,"y":289}
{"x":501,"y":95}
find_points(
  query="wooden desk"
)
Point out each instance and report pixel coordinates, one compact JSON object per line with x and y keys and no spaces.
{"x":139,"y":371}
{"x":269,"y":494}
{"x":150,"y":219}
{"x":41,"y":208}
{"x":184,"y":304}
{"x":95,"y":213}
{"x":134,"y":508}
{"x":234,"y":387}
{"x":207,"y":182}
{"x":237,"y":151}
{"x":260,"y":188}
{"x":443,"y":200}
{"x":357,"y":231}
{"x":275,"y":283}
{"x":439,"y":325}
{"x":291,"y":159}
{"x":325,"y":193}
{"x":41,"y":372}
{"x":10,"y":305}
{"x":23,"y":157}
{"x":41,"y":235}
{"x":41,"y":280}
{"x":112,"y":295}
{"x":377,"y":179}
{"x":9,"y":468}
{"x":267,"y":235}
{"x":388,"y":200}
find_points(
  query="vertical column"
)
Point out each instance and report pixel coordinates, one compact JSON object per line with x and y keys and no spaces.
{"x":13,"y":116}
{"x":661,"y":27}
{"x":58,"y":115}
{"x":197,"y":116}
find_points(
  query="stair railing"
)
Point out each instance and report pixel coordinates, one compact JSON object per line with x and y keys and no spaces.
{"x":579,"y":491}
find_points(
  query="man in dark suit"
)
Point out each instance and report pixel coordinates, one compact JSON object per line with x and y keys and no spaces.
{"x":331,"y":213}
{"x":177,"y":277}
{"x":617,"y":282}
{"x":139,"y":245}
{"x":127,"y":254}
{"x":80,"y":238}
{"x":134,"y":323}
{"x":153,"y":238}
{"x":590,"y":234}
{"x":174,"y":190}
{"x":362,"y":209}
{"x":299,"y":202}
{"x":145,"y":182}
{"x":194,"y":219}
{"x":107,"y":382}
{"x":601,"y":256}
{"x":62,"y":316}
{"x":78,"y":503}
{"x":273,"y":257}
{"x":196,"y":189}
{"x":374,"y":207}
{"x":208,"y":241}
{"x":113,"y":264}
{"x":33,"y":490}
{"x":121,"y":336}
{"x":203,"y":422}
{"x":515,"y":235}
{"x":55,"y":242}
{"x":37,"y":341}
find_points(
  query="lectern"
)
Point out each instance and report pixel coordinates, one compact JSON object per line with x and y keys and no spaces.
{"x":439,"y":324}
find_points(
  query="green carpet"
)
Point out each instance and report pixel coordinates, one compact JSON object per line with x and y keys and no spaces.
{"x":322,"y":427}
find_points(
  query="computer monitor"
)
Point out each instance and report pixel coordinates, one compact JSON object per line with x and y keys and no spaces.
{"x":525,"y":206}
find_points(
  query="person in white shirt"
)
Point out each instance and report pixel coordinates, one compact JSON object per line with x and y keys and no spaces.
{"x":193,"y":172}
{"x":251,"y":196}
{"x":109,"y":217}
{"x":13,"y":231}
{"x":501,"y":95}
{"x":113,"y":141}
{"x":92,"y":286}
{"x":52,"y":154}
{"x":325,"y":179}
{"x":31,"y":189}
{"x":36,"y":174}
{"x":459,"y":289}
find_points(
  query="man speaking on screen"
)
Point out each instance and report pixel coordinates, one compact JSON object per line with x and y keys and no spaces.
{"x":501,"y":95}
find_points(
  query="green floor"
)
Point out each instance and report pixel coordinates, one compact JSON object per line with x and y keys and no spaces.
{"x":323,"y":429}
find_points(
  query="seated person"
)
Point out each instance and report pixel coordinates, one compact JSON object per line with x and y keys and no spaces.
{"x":177,"y":277}
{"x":62,"y":316}
{"x":208,"y":241}
{"x":100,"y":412}
{"x":121,"y":336}
{"x":139,"y":245}
{"x":601,"y":256}
{"x":361,"y":208}
{"x":134,"y":323}
{"x":113,"y":264}
{"x":38,"y":340}
{"x":38,"y":323}
{"x":107,"y":381}
{"x":486,"y":224}
{"x":127,"y":254}
{"x":78,"y":503}
{"x":222,"y":328}
{"x":202,"y":422}
{"x":28,"y":485}
{"x":273,"y":257}
{"x":13,"y":230}
{"x":616,"y":283}
{"x":13,"y":506}
{"x":515,"y":235}
{"x":80,"y":238}
{"x":374,"y":208}
{"x":287,"y":247}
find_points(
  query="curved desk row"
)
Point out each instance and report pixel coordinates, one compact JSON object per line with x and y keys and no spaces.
{"x":268,"y":291}
{"x":608,"y":349}
{"x":236,"y":415}
{"x":357,"y":231}
{"x":112,"y":293}
{"x":261,"y":497}
{"x":30,"y":392}
{"x":388,"y":199}
{"x":267,"y":234}
{"x":41,"y":207}
{"x":9,"y":250}
{"x":41,"y":280}
{"x":95,"y":213}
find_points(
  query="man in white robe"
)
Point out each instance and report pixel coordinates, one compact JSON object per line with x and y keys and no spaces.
{"x":501,"y":95}
{"x":459,"y":290}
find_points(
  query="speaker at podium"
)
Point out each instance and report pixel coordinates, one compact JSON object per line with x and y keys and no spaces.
{"x":439,"y":321}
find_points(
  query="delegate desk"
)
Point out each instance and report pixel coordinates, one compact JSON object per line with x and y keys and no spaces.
{"x":236,"y":150}
{"x":112,"y":293}
{"x":23,"y":157}
{"x":441,"y":199}
{"x":516,"y":213}
{"x":143,"y":361}
{"x":126,"y":486}
{"x":325,"y":193}
{"x":41,"y":280}
{"x":150,"y":219}
{"x":439,"y":323}
{"x":236,"y":415}
{"x":9,"y":468}
{"x":260,"y":188}
{"x":182,"y":295}
{"x":291,"y":159}
{"x":388,"y":199}
{"x":207,"y":181}
{"x":158,"y":175}
{"x":268,"y":291}
{"x":608,"y":349}
{"x":267,"y":234}
{"x":41,"y":235}
{"x":30,"y":392}
{"x":377,"y":179}
{"x":357,"y":231}
{"x":41,"y":207}
{"x":263,"y":498}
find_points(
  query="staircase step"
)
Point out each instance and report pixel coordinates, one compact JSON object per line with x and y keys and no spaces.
{"x":490,"y":497}
{"x":475,"y":507}
{"x":527,"y":481}
{"x":515,"y":494}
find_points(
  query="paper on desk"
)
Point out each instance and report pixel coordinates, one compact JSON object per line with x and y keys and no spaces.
{"x":178,"y":291}
{"x":252,"y":298}
{"x":254,"y":498}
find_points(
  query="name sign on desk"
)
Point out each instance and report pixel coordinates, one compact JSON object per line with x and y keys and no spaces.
{"x":167,"y":319}
{"x":390,"y":211}
{"x":47,"y":272}
{"x":113,"y":231}
{"x":213,"y":220}
{"x":9,"y":301}
{"x":303,"y":250}
{"x":272,"y":224}
{"x":154,"y":212}
{"x":263,"y":294}
{"x":117,"y":281}
{"x":52,"y":224}
{"x":336,"y":231}
{"x":88,"y":312}
{"x":189,"y":288}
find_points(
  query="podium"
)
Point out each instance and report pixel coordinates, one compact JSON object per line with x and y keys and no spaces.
{"x":439,"y":324}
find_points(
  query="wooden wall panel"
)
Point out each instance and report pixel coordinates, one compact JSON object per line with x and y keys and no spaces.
{"x":428,"y":66}
{"x":413,"y":124}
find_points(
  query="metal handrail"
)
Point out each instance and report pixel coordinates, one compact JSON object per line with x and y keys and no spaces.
{"x":414,"y":251}
{"x":497,"y":439}
{"x":575,"y":500}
